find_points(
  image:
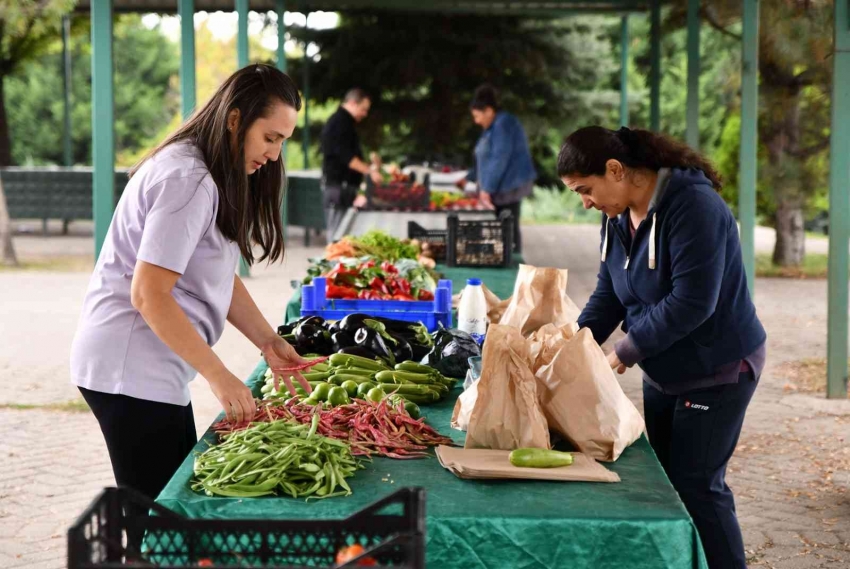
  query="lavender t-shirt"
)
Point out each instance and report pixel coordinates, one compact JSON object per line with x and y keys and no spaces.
{"x":165,"y":217}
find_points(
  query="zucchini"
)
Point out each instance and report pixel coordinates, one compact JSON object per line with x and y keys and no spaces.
{"x":540,"y":458}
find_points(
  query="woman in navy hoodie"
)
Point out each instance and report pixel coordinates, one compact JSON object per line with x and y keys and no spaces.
{"x":672,"y":273}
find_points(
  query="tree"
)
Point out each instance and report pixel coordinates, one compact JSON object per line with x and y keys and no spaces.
{"x":422,"y":72}
{"x":795,"y":42}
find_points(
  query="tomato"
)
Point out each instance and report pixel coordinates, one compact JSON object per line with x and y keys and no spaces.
{"x":346,"y":554}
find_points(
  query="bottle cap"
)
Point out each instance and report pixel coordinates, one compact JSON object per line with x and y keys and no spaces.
{"x":473,"y":282}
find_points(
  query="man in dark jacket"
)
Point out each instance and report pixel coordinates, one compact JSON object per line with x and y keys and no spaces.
{"x":343,"y":166}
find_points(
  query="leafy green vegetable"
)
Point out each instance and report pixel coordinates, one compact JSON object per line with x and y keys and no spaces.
{"x":384,"y":246}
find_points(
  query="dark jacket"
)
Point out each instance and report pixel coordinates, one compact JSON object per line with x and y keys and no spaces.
{"x":340,"y":144}
{"x":679,"y":286}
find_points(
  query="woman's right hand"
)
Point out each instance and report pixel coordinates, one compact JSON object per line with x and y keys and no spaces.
{"x":235,"y":397}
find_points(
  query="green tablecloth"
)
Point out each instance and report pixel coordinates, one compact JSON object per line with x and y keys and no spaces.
{"x":639,"y":523}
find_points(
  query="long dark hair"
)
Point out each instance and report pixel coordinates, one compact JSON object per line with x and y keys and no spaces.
{"x":248,"y":207}
{"x":586,"y":151}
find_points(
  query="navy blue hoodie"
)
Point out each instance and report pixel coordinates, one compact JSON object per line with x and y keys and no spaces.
{"x":678,"y":286}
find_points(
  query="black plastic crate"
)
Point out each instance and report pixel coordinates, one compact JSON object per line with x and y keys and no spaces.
{"x":480,"y":242}
{"x":398,"y":195}
{"x":392,"y":532}
{"x":437,"y":239}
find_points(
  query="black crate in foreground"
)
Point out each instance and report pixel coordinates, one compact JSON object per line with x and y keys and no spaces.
{"x":480,"y":242}
{"x":392,"y":532}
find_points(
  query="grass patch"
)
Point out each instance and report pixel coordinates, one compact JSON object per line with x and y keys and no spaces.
{"x":804,"y":376}
{"x":55,"y":264}
{"x":556,"y":207}
{"x":72,"y":406}
{"x":814,"y":267}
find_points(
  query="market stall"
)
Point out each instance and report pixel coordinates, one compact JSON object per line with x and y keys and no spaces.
{"x":637,"y":522}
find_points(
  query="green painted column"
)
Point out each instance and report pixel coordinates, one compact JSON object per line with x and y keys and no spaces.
{"x":68,"y":152}
{"x":692,"y":112}
{"x":280,"y":9}
{"x":839,"y":206}
{"x":624,"y":71}
{"x":242,"y":33}
{"x":306,"y":103}
{"x":186,"y":8}
{"x":103,"y":115}
{"x":748,"y":162}
{"x":242,"y":61}
{"x":655,"y":66}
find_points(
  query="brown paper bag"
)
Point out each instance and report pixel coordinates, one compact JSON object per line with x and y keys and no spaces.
{"x":507,"y":412}
{"x":486,"y":463}
{"x":545,"y":343}
{"x":583,"y":401}
{"x":463,"y":407}
{"x":540,"y":297}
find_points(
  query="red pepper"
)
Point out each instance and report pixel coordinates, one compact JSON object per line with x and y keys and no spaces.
{"x":402,"y":296}
{"x":403,"y":286}
{"x":335,"y":291}
{"x":368,"y":264}
{"x":388,"y":268}
{"x":425,"y":294}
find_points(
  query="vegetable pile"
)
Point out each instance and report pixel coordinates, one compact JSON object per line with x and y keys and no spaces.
{"x":453,"y":201}
{"x":376,"y":243}
{"x":277,"y":457}
{"x":368,"y":427}
{"x":372,"y":281}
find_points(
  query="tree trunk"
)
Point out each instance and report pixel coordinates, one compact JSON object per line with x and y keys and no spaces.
{"x":7,"y":247}
{"x":790,"y":248}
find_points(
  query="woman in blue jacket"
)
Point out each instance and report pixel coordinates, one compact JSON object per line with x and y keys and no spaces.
{"x":503,"y":167}
{"x":672,"y":273}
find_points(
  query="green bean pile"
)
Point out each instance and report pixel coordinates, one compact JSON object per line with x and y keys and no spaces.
{"x":276,"y":458}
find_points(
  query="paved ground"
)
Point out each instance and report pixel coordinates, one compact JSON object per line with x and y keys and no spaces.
{"x":790,"y":472}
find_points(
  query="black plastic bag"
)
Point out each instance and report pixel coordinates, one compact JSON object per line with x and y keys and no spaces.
{"x":452,"y":350}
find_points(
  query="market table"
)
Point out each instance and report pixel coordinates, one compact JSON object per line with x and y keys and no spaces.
{"x":639,"y":523}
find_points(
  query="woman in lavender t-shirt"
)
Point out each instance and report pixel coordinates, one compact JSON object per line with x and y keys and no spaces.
{"x":165,"y":281}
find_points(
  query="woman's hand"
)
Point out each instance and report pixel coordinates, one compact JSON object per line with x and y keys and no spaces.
{"x":615,"y":363}
{"x":235,"y":397}
{"x":279,"y":354}
{"x":484,"y":198}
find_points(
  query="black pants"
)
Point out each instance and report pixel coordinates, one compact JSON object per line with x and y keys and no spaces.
{"x":514,"y":209}
{"x":694,"y":436}
{"x":147,"y":441}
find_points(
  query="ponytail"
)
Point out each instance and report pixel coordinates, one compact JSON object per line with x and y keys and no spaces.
{"x":587,"y":150}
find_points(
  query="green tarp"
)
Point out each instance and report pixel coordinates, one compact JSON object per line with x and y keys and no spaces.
{"x":639,"y":523}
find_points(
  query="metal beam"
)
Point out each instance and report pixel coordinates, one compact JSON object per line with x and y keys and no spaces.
{"x":306,"y":102}
{"x":748,"y":157}
{"x":242,"y":61}
{"x":655,"y":66}
{"x":187,"y":56}
{"x":839,"y":205}
{"x":280,"y":9}
{"x":692,"y":113}
{"x":68,"y":153}
{"x":103,"y":114}
{"x":624,"y":71}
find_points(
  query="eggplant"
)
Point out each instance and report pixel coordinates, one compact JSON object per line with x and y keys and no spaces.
{"x":381,"y":348}
{"x":342,"y":340}
{"x":363,"y":337}
{"x":333,"y":327}
{"x":285,"y":329}
{"x":402,"y":351}
{"x":361,"y":351}
{"x":352,"y":323}
{"x":313,"y":338}
{"x":419,"y":351}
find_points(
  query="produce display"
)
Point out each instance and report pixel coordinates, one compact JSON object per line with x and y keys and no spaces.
{"x":280,"y":457}
{"x":371,"y":281}
{"x":406,"y":254}
{"x":453,"y":201}
{"x":367,"y":427}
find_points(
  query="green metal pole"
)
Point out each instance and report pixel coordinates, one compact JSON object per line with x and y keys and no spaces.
{"x":103,"y":139}
{"x":839,"y":206}
{"x":692,"y":112}
{"x":66,"y":84}
{"x":242,"y":32}
{"x":624,"y":71}
{"x":186,"y":8}
{"x":748,"y":162}
{"x":280,"y":8}
{"x":306,"y":136}
{"x":242,"y":59}
{"x":655,"y":67}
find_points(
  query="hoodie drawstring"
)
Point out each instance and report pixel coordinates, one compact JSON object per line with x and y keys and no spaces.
{"x":605,"y":243}
{"x":652,"y":242}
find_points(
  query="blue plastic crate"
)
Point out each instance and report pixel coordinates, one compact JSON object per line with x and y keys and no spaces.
{"x":431,"y":313}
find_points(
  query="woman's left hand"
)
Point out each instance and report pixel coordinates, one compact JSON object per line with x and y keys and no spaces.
{"x":615,"y":363}
{"x":279,"y":354}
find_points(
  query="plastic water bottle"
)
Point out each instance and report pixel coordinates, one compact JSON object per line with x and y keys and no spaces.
{"x":472,"y":312}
